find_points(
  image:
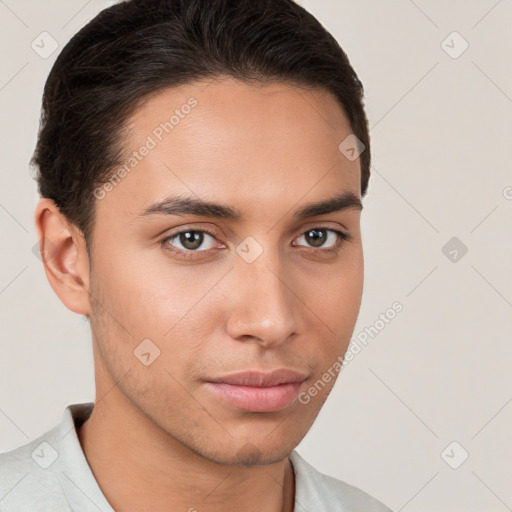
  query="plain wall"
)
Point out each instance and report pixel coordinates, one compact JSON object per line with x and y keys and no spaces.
{"x":440,"y":370}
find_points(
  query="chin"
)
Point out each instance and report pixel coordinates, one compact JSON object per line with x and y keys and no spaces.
{"x":251,"y":455}
{"x":247,"y":454}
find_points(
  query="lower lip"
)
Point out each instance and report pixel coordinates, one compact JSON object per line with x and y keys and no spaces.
{"x":255,"y":399}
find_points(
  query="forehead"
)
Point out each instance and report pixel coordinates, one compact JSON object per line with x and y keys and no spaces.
{"x":228,"y":140}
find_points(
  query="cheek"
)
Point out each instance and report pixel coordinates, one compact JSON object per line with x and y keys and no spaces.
{"x":174,"y":306}
{"x":338,"y":297}
{"x":144,"y":311}
{"x":334,"y":311}
{"x":152,"y":292}
{"x":151,"y":296}
{"x":338,"y":308}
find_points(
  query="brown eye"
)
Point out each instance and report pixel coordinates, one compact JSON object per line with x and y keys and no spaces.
{"x":316,"y":237}
{"x":189,"y":240}
{"x":324,"y":238}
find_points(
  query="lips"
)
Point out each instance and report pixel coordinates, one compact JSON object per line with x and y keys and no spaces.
{"x":257,"y":391}
{"x":261,"y":379}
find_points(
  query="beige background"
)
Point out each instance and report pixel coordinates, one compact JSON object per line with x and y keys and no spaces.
{"x":440,"y":371}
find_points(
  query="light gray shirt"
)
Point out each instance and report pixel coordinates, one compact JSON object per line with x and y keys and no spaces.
{"x":51,"y":474}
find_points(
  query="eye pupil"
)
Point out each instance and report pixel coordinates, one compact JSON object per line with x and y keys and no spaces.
{"x":317,"y":240}
{"x":195,"y":238}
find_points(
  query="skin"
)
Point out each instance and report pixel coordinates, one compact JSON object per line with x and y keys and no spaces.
{"x":158,"y":439}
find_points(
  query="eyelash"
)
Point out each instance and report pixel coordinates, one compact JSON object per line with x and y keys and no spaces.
{"x":342,"y":238}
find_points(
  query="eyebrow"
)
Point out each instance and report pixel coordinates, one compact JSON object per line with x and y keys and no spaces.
{"x":182,"y":205}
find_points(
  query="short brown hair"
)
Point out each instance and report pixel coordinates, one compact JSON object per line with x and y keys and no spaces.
{"x":139,"y":47}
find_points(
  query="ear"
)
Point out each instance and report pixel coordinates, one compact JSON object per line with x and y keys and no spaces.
{"x":64,"y":255}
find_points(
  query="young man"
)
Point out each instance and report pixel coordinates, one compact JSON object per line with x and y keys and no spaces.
{"x":201,"y":165}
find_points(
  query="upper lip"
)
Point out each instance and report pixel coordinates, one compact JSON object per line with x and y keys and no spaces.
{"x":261,"y":379}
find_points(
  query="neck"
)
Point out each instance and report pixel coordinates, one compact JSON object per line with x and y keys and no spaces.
{"x":138,"y":466}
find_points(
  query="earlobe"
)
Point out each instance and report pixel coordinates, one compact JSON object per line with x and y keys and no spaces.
{"x":64,"y":256}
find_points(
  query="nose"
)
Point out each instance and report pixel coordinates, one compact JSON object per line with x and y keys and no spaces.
{"x":264,"y":302}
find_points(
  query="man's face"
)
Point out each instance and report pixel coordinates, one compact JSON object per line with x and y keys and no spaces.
{"x":265,"y":291}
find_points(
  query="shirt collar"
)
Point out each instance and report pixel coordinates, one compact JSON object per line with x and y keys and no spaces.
{"x":75,"y":475}
{"x":84,"y":494}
